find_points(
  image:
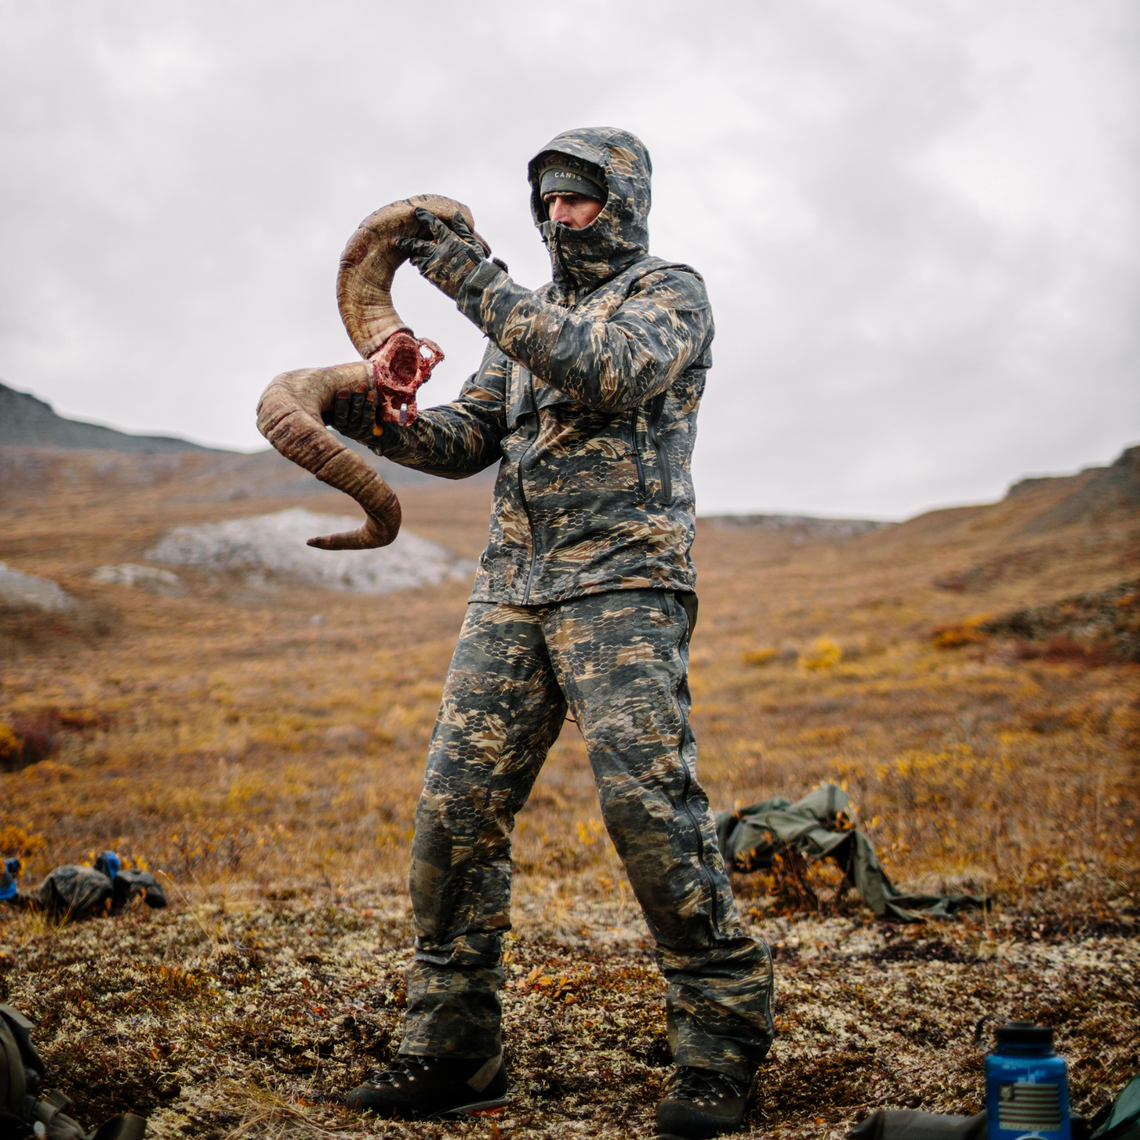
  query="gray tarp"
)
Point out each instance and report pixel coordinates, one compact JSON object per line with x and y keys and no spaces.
{"x":909,"y":1124}
{"x":751,"y":838}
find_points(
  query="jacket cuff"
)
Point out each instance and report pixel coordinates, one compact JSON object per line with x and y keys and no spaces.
{"x":389,"y":439}
{"x":473,"y":288}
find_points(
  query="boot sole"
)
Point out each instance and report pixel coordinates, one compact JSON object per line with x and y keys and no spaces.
{"x":457,"y":1112}
{"x":473,"y":1109}
{"x":678,"y":1136}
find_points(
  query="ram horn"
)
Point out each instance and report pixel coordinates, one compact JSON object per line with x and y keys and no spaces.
{"x":289,"y":416}
{"x":368,"y":264}
{"x":290,"y":412}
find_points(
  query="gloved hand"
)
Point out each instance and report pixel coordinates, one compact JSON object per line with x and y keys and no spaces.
{"x":448,"y":256}
{"x":353,"y":412}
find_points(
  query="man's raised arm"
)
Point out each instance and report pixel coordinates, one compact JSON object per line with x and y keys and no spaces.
{"x":611,"y":365}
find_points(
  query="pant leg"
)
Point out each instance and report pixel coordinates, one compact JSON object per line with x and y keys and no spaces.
{"x":622,"y":661}
{"x":501,"y":712}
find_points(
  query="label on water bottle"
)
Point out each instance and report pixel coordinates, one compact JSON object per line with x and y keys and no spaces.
{"x":1025,"y":1107}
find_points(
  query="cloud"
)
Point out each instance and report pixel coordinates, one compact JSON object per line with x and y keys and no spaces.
{"x":917,"y":223}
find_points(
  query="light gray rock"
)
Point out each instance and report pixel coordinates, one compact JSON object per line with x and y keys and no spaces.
{"x":132,"y":574}
{"x":17,"y":589}
{"x":266,"y":546}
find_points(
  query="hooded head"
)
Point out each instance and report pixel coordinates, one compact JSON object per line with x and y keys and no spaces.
{"x":619,"y":235}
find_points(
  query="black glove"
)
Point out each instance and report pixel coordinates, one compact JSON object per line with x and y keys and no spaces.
{"x":353,"y":412}
{"x":448,"y":256}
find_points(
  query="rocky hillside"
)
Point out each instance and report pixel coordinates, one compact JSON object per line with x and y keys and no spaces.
{"x":31,"y":422}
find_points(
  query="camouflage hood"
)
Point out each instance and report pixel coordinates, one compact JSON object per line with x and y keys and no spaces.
{"x":619,"y":235}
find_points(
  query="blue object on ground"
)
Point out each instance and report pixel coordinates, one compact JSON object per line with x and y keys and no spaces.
{"x":9,"y":869}
{"x":1027,"y":1090}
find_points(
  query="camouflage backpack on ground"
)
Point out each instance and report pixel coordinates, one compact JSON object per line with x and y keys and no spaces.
{"x":74,"y":891}
{"x":24,"y":1112}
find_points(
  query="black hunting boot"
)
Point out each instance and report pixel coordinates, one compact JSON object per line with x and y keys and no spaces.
{"x":416,"y":1088}
{"x":701,"y":1103}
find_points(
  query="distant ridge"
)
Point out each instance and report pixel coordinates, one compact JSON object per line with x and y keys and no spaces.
{"x":800,"y":526}
{"x":1105,"y":491}
{"x":27,"y":421}
{"x":1095,"y":494}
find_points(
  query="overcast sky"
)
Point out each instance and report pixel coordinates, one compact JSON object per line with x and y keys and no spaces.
{"x":917,"y":221}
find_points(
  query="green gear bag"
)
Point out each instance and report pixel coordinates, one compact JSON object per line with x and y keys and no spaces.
{"x":1121,"y":1119}
{"x":815,"y":828}
{"x":26,"y":1115}
{"x":21,"y":1068}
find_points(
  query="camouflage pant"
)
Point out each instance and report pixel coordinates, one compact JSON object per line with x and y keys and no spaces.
{"x":620,"y":660}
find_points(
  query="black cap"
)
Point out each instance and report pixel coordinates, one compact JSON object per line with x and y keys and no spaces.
{"x":566,"y":174}
{"x":1023,"y":1033}
{"x":556,"y":180}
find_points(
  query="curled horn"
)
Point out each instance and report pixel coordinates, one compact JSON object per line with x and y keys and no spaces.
{"x":368,"y":264}
{"x":289,"y":414}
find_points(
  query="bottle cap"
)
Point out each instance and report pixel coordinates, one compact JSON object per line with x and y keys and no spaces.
{"x":1023,"y":1033}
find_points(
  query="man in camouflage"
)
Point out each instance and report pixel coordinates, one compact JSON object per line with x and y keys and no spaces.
{"x":587,"y":399}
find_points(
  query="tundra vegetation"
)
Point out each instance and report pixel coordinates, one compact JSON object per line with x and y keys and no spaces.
{"x":258,"y":744}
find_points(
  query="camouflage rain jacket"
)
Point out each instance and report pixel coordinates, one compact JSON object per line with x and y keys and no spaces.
{"x":587,"y":398}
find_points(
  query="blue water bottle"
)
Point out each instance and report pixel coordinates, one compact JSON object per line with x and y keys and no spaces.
{"x":1027,"y":1091}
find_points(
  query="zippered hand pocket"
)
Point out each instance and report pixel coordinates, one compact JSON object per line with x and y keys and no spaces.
{"x":637,"y":460}
{"x":653,"y":417}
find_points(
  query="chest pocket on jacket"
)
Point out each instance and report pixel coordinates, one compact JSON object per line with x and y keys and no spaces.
{"x":528,"y":393}
{"x":520,"y":400}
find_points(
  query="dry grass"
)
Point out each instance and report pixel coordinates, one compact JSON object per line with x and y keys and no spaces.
{"x":263,"y":747}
